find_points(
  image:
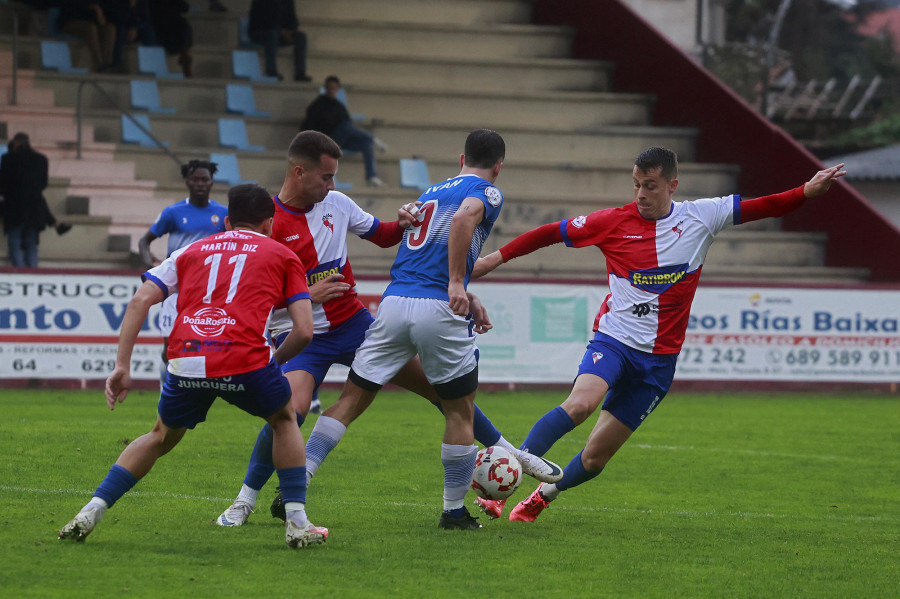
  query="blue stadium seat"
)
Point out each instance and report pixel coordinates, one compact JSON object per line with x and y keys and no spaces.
{"x":152,"y":61}
{"x":342,"y":185}
{"x":245,"y":65}
{"x":145,"y":96}
{"x":55,"y":57}
{"x":239,"y":100}
{"x":226,"y":169}
{"x":233,"y":134}
{"x":414,"y":174}
{"x":132,"y":134}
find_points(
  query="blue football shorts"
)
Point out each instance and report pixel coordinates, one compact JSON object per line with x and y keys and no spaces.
{"x":184,"y":402}
{"x":329,"y":348}
{"x":637,"y":380}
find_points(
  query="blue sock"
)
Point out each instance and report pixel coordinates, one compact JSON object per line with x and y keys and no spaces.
{"x":293,"y":483}
{"x":261,"y":465}
{"x":485,"y":431}
{"x":574,"y":474}
{"x":547,"y":431}
{"x":118,"y":482}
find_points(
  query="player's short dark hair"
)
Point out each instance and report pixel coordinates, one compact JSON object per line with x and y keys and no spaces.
{"x":332,"y":79}
{"x":249,"y":205}
{"x":484,"y":148}
{"x":188,"y":169}
{"x":662,"y":158}
{"x":309,"y":146}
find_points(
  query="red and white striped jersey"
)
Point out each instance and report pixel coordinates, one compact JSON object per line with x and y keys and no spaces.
{"x":318,"y":237}
{"x":653,"y":266}
{"x":227,"y":285}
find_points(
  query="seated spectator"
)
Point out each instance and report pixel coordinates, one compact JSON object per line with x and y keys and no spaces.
{"x":173,"y":32}
{"x":328,"y":115}
{"x":87,"y":20}
{"x":273,"y":23}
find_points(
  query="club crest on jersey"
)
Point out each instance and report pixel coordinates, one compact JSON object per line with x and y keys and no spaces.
{"x":579,"y":221}
{"x":215,"y":219}
{"x":328,"y":222}
{"x":659,"y":279}
{"x":679,"y":229}
{"x":493,"y":196}
{"x":209,"y":322}
{"x":596,"y":356}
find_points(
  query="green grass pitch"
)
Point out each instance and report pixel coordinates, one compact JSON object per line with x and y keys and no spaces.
{"x":715,"y":496}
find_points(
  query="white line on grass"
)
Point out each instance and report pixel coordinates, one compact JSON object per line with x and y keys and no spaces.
{"x":768,"y":454}
{"x":618,"y":510}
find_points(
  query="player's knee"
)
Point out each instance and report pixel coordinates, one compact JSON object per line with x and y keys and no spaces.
{"x":458,"y":387}
{"x":362,"y":383}
{"x":594,"y":462}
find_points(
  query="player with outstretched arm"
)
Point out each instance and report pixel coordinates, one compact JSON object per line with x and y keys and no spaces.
{"x":654,"y":250}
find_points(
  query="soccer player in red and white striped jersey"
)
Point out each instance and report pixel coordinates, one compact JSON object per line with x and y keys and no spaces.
{"x":654,"y":249}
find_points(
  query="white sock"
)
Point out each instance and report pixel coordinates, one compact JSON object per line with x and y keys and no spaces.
{"x":459,"y":462}
{"x":248,"y":495}
{"x":549,"y":491}
{"x":325,"y":436}
{"x":295,"y":511}
{"x":96,"y":504}
{"x":502,"y":442}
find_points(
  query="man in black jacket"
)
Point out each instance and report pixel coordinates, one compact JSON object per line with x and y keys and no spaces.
{"x":273,"y":23}
{"x":330,"y":116}
{"x":23,"y":178}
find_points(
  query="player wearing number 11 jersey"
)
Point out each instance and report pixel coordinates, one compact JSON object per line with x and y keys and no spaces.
{"x":228,"y":285}
{"x":654,"y":249}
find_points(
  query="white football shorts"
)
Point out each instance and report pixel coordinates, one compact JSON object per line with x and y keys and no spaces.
{"x":406,"y":326}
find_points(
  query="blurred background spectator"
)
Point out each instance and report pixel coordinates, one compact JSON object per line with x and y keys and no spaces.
{"x":273,"y":23}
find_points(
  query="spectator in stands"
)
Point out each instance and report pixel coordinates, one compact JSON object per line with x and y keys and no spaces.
{"x":328,"y":115}
{"x":86,"y":19}
{"x":273,"y":23}
{"x":173,"y":32}
{"x":23,"y":178}
{"x":216,"y":6}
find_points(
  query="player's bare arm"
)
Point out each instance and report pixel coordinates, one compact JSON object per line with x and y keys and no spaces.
{"x":486,"y":264}
{"x":822,"y":181}
{"x":328,"y":289}
{"x":301,"y":333}
{"x":462,"y":228}
{"x":119,"y":382}
{"x":144,"y":249}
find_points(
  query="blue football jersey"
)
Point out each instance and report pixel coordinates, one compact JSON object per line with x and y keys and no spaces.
{"x":422,"y":265}
{"x":185,"y":223}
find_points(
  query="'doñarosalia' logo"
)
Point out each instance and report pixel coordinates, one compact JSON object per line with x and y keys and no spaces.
{"x":208,"y":322}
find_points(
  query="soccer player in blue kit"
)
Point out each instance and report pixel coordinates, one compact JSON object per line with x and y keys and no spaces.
{"x":191,"y":219}
{"x":425,"y":307}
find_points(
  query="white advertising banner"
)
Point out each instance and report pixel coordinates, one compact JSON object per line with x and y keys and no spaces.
{"x":65,"y":326}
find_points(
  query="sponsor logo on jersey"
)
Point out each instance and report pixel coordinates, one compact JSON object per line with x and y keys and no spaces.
{"x":659,"y":279}
{"x":643,"y":309}
{"x":208,"y":322}
{"x":328,"y":222}
{"x":493,"y":196}
{"x":210,"y":384}
{"x":292,"y":237}
{"x":579,"y":221}
{"x":206,"y":345}
{"x":323,"y":271}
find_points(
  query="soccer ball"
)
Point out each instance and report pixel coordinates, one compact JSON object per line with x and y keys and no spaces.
{"x":497,"y":473}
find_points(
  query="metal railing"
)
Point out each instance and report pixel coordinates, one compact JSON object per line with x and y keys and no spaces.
{"x":122,"y":111}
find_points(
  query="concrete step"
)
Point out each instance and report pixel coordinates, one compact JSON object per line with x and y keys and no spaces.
{"x":451,"y":71}
{"x":347,"y":33}
{"x":25,"y":95}
{"x":457,"y":12}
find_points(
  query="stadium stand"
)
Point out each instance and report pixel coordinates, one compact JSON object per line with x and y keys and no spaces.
{"x":421,"y":76}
